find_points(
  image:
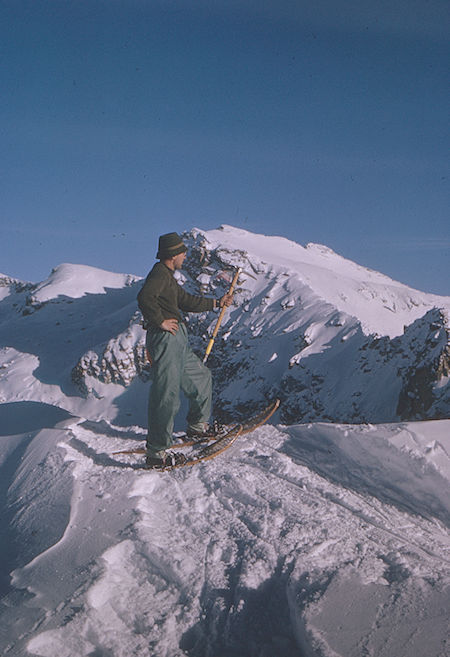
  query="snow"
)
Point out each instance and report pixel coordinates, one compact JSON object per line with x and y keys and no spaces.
{"x":382,"y":305}
{"x":77,"y":280}
{"x":309,"y":539}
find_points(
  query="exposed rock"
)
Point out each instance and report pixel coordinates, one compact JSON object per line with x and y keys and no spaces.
{"x":120,"y":360}
{"x":429,"y":342}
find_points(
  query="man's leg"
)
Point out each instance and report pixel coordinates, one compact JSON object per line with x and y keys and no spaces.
{"x":164,"y":399}
{"x":196,"y":384}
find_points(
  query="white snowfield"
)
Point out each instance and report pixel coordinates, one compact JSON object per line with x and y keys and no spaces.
{"x":308,"y":540}
{"x":382,"y":305}
{"x":76,"y":281}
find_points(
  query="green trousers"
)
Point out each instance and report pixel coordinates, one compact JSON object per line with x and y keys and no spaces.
{"x":175,"y":367}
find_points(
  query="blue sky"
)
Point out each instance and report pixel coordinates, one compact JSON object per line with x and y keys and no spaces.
{"x":320,"y":121}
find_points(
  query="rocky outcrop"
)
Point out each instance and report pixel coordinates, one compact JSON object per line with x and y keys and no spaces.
{"x":119,"y":361}
{"x":428,"y":344}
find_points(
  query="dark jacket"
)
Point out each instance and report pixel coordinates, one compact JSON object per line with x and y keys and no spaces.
{"x":161,"y":297}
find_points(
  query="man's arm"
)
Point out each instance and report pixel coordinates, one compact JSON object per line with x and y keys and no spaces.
{"x":191,"y":303}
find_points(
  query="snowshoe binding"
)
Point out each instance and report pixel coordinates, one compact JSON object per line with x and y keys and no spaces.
{"x":209,"y":432}
{"x":167,"y":461}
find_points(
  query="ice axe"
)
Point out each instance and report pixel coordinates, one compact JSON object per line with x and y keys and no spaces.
{"x":220,"y":318}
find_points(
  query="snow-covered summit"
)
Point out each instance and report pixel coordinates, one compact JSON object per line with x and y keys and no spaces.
{"x":382,"y":305}
{"x":326,"y":335}
{"x":75,"y":281}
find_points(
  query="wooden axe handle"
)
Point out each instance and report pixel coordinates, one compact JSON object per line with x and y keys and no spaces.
{"x":220,"y":318}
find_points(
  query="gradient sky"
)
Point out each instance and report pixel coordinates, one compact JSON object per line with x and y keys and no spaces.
{"x":319,"y":120}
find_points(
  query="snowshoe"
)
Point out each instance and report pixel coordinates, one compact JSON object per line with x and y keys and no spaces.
{"x":168,"y":460}
{"x":210,"y":431}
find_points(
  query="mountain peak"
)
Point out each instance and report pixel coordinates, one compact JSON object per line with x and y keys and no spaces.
{"x":74,"y":280}
{"x":382,"y":306}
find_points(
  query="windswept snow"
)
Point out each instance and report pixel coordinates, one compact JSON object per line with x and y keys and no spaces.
{"x":75,"y":281}
{"x":305,"y":539}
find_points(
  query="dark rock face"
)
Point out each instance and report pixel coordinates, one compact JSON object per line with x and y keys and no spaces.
{"x":429,"y":352}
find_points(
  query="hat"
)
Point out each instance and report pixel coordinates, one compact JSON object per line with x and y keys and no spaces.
{"x":170,"y":245}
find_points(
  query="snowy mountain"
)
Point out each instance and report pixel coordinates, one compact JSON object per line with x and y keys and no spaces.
{"x":333,"y":340}
{"x":318,"y":535}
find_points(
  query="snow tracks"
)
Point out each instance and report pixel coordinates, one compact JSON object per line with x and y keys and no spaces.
{"x":296,"y":542}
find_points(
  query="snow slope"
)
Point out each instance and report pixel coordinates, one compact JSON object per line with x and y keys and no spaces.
{"x":333,"y":340}
{"x":78,"y":280}
{"x":382,"y":305}
{"x":313,"y":539}
{"x":305,"y":540}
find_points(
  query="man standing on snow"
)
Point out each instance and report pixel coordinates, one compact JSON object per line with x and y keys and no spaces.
{"x":174,"y":364}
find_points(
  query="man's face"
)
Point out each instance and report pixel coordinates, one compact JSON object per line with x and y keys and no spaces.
{"x":178,"y":260}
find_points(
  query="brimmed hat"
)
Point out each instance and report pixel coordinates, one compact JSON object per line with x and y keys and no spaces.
{"x":170,"y":245}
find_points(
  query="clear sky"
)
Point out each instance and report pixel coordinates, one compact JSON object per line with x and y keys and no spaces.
{"x":319,"y":120}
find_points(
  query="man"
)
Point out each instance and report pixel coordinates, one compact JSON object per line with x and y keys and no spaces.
{"x":174,"y":364}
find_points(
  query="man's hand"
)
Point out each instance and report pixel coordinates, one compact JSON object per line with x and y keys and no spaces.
{"x":170,"y":325}
{"x":226,"y":300}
